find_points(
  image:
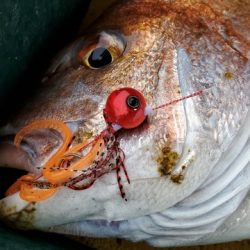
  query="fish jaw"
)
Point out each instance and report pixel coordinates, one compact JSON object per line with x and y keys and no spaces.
{"x":128,"y":141}
{"x":209,"y":215}
{"x":193,"y":128}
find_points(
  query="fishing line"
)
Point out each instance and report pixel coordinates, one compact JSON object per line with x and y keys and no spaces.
{"x":197,"y":93}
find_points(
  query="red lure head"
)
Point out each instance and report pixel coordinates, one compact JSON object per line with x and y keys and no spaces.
{"x":125,"y":107}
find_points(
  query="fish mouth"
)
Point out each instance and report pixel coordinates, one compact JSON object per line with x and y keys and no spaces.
{"x":30,"y":156}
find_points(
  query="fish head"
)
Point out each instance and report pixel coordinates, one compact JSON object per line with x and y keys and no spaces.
{"x":165,"y":50}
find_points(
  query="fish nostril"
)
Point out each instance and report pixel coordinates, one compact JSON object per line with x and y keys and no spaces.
{"x":8,"y":138}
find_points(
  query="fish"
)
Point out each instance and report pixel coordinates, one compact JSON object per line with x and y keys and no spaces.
{"x":187,"y":162}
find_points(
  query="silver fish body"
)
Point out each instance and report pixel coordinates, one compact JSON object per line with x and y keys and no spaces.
{"x":166,"y":50}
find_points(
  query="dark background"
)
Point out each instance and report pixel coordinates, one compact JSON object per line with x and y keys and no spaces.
{"x":31,"y":33}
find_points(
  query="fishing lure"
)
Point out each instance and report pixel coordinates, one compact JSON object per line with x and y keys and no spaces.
{"x":77,"y":167}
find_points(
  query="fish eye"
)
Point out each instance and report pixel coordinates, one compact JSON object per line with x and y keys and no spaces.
{"x":102,"y":51}
{"x":99,"y":57}
{"x":133,"y":102}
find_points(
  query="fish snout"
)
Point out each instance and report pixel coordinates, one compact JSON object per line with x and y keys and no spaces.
{"x":17,"y":212}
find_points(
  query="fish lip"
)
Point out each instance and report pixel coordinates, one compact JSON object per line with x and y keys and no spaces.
{"x":32,"y":165}
{"x":18,"y":214}
{"x":27,"y":149}
{"x":7,"y":135}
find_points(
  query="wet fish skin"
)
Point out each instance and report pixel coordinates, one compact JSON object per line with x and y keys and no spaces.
{"x":170,"y":48}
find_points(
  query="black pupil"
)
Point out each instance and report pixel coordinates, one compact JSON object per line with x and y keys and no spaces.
{"x":99,"y":58}
{"x":133,"y":102}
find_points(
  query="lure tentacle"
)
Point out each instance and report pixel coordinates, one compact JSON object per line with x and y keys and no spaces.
{"x":57,"y":175}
